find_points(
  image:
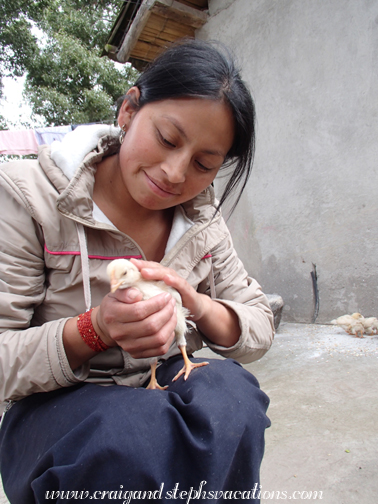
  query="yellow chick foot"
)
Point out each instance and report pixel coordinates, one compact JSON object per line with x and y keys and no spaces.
{"x":153,"y":385}
{"x":188,"y":365}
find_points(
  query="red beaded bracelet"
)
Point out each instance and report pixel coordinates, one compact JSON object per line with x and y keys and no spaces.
{"x":89,"y":335}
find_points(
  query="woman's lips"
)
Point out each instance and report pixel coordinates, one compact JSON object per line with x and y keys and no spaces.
{"x":159,"y":188}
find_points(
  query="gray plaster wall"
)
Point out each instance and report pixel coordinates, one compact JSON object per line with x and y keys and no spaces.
{"x":312,"y":199}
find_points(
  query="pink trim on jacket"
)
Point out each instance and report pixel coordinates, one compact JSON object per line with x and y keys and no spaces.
{"x":105,"y":258}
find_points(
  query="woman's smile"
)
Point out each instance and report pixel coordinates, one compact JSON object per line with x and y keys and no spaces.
{"x":160,"y":188}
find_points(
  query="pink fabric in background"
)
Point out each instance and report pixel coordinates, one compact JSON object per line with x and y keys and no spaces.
{"x":19,"y":143}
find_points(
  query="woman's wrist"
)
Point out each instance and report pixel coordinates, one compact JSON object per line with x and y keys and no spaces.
{"x":76,"y":347}
{"x":106,"y":339}
{"x":88,"y":333}
{"x":218,"y":323}
{"x":204,"y":308}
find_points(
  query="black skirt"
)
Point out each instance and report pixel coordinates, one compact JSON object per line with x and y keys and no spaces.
{"x":200,"y":440}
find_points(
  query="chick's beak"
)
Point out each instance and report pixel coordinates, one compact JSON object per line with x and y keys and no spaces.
{"x":114,"y":282}
{"x":114,"y":286}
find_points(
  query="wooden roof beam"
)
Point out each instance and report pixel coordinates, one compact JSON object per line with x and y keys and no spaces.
{"x":169,"y":9}
{"x":180,"y":13}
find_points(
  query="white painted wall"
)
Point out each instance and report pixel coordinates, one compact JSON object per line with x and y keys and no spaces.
{"x":312,"y":66}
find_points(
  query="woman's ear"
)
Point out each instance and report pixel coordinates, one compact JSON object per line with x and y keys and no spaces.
{"x":129,"y":107}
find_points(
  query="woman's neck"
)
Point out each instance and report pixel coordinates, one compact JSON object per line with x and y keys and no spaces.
{"x":112,"y":196}
{"x":149,"y":228}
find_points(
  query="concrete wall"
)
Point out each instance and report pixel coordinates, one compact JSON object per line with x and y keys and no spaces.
{"x":312,"y":199}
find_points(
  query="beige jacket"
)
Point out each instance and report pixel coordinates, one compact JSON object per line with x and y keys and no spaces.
{"x":53,"y":266}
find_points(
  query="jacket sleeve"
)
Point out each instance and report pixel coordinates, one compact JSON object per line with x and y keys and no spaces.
{"x":32,"y":359}
{"x":235,"y":289}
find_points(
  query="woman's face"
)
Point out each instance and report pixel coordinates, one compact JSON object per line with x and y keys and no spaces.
{"x":173,"y":148}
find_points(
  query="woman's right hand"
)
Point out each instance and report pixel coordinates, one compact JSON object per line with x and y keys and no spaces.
{"x":141,"y":328}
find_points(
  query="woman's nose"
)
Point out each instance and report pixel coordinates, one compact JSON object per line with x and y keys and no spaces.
{"x":176,"y":167}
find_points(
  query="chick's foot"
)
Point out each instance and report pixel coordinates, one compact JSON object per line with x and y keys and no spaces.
{"x":188,"y":365}
{"x":153,"y":385}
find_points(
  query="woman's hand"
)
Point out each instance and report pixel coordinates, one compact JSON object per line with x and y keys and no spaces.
{"x":191,"y":299}
{"x":141,"y":328}
{"x":217,"y":322}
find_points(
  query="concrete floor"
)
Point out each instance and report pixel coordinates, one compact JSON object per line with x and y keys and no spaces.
{"x":3,"y":499}
{"x":323,"y":388}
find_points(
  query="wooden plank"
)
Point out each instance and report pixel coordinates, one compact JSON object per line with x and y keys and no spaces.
{"x":135,"y":30}
{"x":156,"y":22}
{"x":168,"y":38}
{"x":151,"y":36}
{"x":180,"y":12}
{"x":145,"y":52}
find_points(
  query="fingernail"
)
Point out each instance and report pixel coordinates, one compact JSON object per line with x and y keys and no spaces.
{"x":133,"y":293}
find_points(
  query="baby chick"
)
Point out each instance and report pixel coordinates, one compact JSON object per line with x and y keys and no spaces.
{"x":124,"y":274}
{"x":345,"y":320}
{"x":352,"y":324}
{"x":356,"y":329}
{"x":370,"y":325}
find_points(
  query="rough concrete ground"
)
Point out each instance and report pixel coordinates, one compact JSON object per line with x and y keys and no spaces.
{"x":323,"y":388}
{"x":3,"y":499}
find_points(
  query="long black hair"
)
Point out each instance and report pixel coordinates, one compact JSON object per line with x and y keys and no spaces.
{"x":198,"y":69}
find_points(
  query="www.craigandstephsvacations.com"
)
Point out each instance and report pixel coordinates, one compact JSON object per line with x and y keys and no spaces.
{"x":176,"y":494}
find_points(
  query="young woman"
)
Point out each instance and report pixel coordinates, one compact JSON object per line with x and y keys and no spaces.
{"x":144,"y":192}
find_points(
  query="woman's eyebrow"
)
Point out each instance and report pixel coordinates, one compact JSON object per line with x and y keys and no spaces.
{"x":179,"y":128}
{"x":176,"y":124}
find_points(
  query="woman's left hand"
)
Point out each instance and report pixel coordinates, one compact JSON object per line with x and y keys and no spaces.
{"x":217,"y":322}
{"x":191,"y":299}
